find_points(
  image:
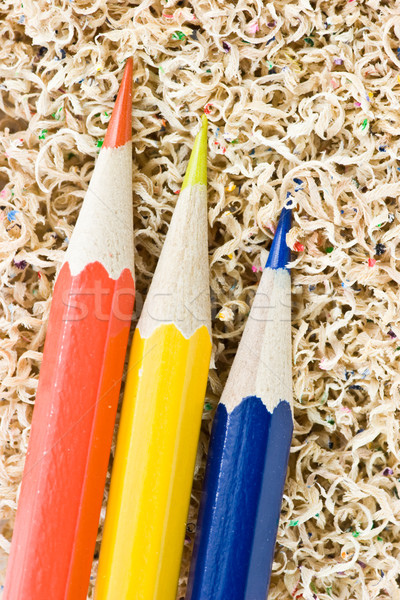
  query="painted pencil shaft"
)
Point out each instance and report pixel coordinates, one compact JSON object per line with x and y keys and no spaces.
{"x":249,"y":448}
{"x":162,"y":408}
{"x":66,"y":465}
{"x":148,"y":504}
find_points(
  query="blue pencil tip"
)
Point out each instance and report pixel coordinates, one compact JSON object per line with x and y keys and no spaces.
{"x":279,"y":255}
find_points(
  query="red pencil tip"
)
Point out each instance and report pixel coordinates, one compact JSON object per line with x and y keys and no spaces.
{"x":119,"y":130}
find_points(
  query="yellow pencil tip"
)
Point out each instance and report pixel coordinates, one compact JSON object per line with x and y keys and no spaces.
{"x":196,"y":172}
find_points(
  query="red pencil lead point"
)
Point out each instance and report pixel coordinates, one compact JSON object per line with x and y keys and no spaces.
{"x":119,"y":130}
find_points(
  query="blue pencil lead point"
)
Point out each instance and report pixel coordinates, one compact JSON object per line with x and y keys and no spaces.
{"x":279,"y":255}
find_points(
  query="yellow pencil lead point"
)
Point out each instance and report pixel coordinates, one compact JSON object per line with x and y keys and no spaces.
{"x":196,"y":172}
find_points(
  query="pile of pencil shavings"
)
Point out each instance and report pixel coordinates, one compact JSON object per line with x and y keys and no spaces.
{"x":303,"y":103}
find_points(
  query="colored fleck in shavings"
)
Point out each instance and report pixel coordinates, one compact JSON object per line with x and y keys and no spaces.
{"x":178,"y":35}
{"x":371,"y":262}
{"x":42,"y":134}
{"x":392,"y":334}
{"x":364,"y":124}
{"x":207,"y":108}
{"x":56,"y":115}
{"x":222,"y":316}
{"x":313,"y":587}
{"x":388,"y":471}
{"x":298,"y":247}
{"x":226,"y":46}
{"x":329,"y":249}
{"x":299,"y":183}
{"x":21,"y":264}
{"x":230,"y":187}
{"x":208,"y":406}
{"x":11,"y":215}
{"x":309,"y":41}
{"x":254,"y":27}
{"x":355,"y":534}
{"x":293,"y":523}
{"x":99,"y":143}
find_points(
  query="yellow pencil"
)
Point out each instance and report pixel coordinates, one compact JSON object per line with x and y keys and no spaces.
{"x":161,"y":414}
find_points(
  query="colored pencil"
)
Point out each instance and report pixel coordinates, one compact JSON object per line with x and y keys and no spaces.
{"x":249,"y":448}
{"x":66,"y":465}
{"x":162,"y":409}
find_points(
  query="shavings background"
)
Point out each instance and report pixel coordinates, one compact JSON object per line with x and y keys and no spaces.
{"x":313,"y":95}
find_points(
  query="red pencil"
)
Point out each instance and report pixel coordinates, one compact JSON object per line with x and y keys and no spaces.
{"x":65,"y":470}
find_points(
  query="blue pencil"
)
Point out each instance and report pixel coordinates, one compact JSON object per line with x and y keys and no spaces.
{"x":249,"y":448}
